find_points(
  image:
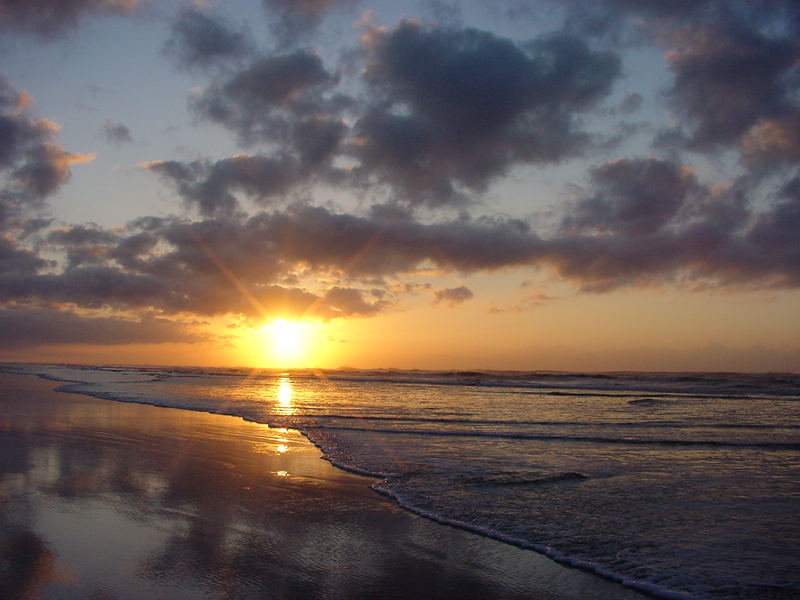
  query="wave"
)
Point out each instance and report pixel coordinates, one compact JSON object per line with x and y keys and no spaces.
{"x":506,"y":479}
{"x":654,"y":589}
{"x":523,"y":423}
{"x":555,"y":383}
{"x":322,"y":430}
{"x":570,"y":438}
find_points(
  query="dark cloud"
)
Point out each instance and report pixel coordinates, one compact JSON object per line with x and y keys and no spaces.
{"x":348,"y":302}
{"x":316,"y":138}
{"x":15,"y":260}
{"x":236,"y":265}
{"x":261,"y":101}
{"x":83,"y":244}
{"x":629,"y":104}
{"x":233,"y":265}
{"x":53,"y":18}
{"x":45,"y":169}
{"x":25,"y":327}
{"x":210,"y":186}
{"x":455,"y":108}
{"x":728,"y":77}
{"x":775,"y":235}
{"x":117,"y":133}
{"x":773,"y":142}
{"x":199,"y":40}
{"x":294,"y":20}
{"x":32,"y":163}
{"x":453,"y":296}
{"x":633,"y":197}
{"x":638,"y":21}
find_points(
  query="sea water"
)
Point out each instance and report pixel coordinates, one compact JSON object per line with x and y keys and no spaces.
{"x":682,"y":485}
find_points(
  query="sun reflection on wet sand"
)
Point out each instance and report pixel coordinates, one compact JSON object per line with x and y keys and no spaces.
{"x":188,"y":509}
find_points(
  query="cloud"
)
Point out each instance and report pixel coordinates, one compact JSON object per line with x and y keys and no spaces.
{"x":729,"y":77}
{"x":116,"y":132}
{"x":348,"y":302}
{"x":53,"y":18}
{"x":198,"y":40}
{"x":453,"y":296}
{"x":628,"y":105}
{"x":438,"y":120}
{"x":455,"y":108}
{"x":530,"y":301}
{"x":773,"y":141}
{"x":210,"y":186}
{"x":33,"y":165}
{"x":84,"y":244}
{"x":24,"y":327}
{"x":294,"y":20}
{"x":15,"y":260}
{"x":260,"y":101}
{"x":633,"y":196}
{"x":233,"y":264}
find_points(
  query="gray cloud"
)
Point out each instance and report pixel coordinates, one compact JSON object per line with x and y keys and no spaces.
{"x":729,"y":77}
{"x":32,"y":163}
{"x":53,"y":18}
{"x":633,"y":197}
{"x":447,"y":110}
{"x":117,"y":133}
{"x":235,"y":264}
{"x":453,"y":296}
{"x":25,"y":327}
{"x":15,"y":260}
{"x":199,"y":40}
{"x":261,"y":101}
{"x":455,"y":108}
{"x":294,"y":20}
{"x":348,"y":302}
{"x":210,"y":186}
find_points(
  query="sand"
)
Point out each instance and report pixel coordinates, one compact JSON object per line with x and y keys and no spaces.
{"x":106,"y":500}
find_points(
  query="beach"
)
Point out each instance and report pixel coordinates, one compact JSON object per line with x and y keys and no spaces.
{"x":102,"y":499}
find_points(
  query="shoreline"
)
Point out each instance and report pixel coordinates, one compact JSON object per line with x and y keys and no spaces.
{"x":294,"y":488}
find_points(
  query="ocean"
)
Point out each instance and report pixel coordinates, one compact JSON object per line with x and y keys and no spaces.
{"x":683,"y":485}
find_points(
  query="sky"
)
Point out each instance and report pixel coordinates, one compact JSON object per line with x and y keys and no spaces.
{"x":529,"y":185}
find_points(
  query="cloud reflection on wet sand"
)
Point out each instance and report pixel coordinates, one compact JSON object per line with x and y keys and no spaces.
{"x":112,"y":500}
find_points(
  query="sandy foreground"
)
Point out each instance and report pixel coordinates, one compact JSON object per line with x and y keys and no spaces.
{"x":104,"y":500}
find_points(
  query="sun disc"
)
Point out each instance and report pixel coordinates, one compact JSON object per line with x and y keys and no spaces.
{"x":287,"y":341}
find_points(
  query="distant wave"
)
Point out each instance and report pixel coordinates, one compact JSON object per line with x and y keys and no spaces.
{"x":514,"y":422}
{"x":570,"y":438}
{"x":524,"y":479}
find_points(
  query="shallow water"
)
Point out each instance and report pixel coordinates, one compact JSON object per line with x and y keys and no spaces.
{"x":683,"y":485}
{"x":104,"y":500}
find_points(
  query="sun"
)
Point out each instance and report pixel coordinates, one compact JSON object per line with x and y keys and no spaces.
{"x":287,"y":342}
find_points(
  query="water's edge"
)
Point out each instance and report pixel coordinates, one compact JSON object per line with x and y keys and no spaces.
{"x":649,"y":589}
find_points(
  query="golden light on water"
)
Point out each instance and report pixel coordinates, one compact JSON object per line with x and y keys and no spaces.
{"x":285,"y":396}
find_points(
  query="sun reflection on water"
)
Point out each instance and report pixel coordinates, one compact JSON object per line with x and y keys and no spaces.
{"x":284,"y":406}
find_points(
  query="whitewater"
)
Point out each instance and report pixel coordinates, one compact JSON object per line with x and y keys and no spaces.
{"x":683,"y":485}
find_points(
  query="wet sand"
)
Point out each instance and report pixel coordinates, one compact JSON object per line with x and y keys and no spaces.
{"x":106,"y":500}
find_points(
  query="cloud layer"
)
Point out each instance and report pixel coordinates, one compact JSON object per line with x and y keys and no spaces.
{"x":417,"y":122}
